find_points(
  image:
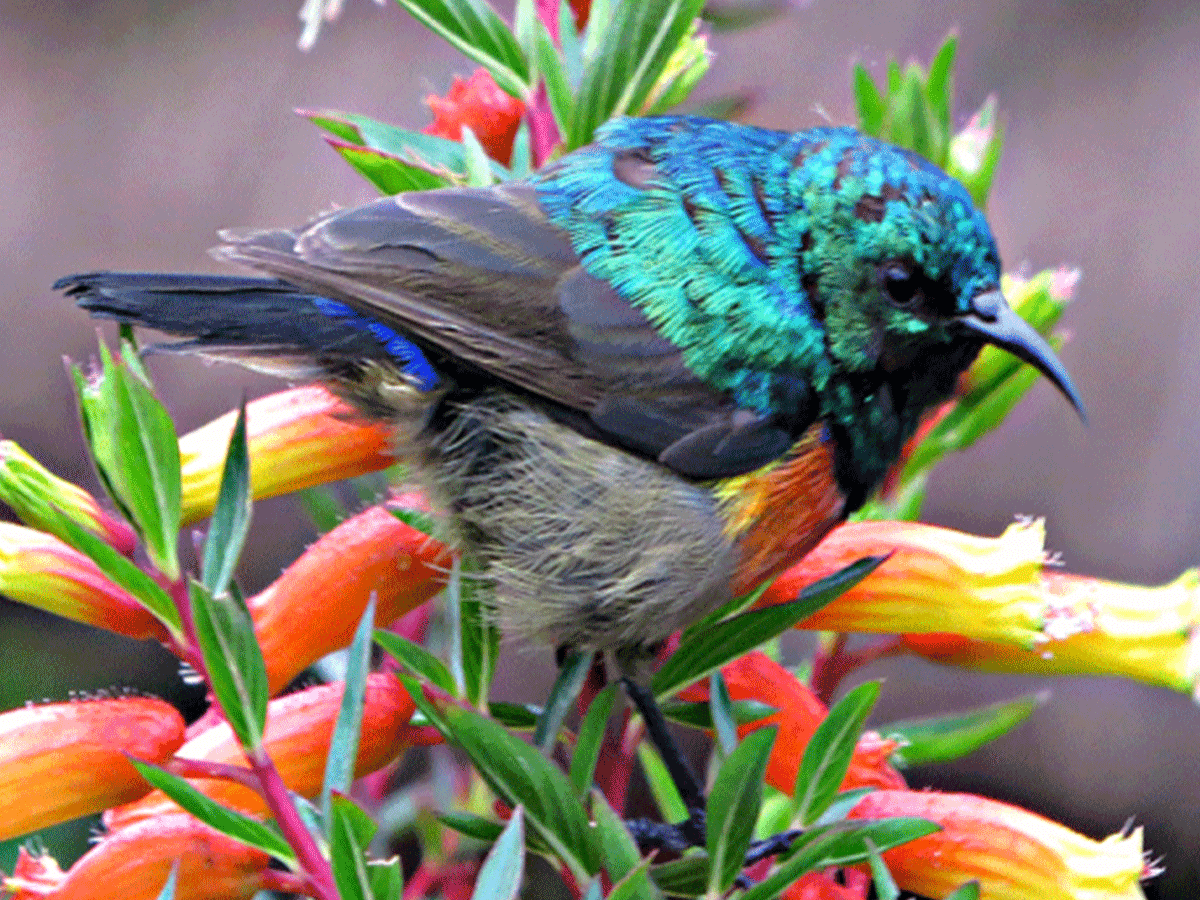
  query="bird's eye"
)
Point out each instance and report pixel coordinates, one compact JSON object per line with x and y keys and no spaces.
{"x":900,"y":284}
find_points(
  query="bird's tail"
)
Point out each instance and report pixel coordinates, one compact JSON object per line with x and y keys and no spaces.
{"x":263,"y":323}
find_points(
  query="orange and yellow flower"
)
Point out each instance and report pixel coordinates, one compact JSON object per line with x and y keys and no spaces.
{"x":1013,"y":853}
{"x":297,"y":439}
{"x":60,"y":761}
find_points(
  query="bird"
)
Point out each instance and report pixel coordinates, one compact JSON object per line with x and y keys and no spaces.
{"x":645,"y":379}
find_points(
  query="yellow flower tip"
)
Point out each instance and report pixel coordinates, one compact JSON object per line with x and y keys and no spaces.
{"x":134,"y":863}
{"x":298,"y":733}
{"x":313,"y":608}
{"x":934,"y":579}
{"x":297,"y":439}
{"x":1015,"y":854}
{"x":21,"y":475}
{"x":39,"y":570}
{"x":60,"y":761}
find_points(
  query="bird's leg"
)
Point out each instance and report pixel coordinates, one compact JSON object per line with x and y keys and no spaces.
{"x":693,"y":830}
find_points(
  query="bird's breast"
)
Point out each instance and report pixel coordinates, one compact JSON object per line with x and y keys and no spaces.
{"x":778,"y":513}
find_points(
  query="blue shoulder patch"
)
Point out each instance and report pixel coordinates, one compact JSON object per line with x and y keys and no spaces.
{"x":412,"y":361}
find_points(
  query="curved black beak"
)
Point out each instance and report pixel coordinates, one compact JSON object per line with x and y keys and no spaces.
{"x":994,"y":320}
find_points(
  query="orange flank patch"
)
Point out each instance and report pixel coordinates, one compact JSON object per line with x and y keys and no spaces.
{"x":781,"y":511}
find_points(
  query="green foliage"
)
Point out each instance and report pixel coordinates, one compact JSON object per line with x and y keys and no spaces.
{"x":827,"y":757}
{"x":943,"y":738}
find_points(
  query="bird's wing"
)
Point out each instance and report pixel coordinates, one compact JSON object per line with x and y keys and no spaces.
{"x":494,"y":291}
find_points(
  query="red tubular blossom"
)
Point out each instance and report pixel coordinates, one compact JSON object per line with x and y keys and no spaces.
{"x":482,"y":106}
{"x":757,"y":677}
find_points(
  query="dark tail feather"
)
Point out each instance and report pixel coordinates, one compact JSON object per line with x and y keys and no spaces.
{"x":260,"y":321}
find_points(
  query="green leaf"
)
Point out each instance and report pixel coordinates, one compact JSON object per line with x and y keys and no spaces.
{"x":969,"y":891}
{"x":350,"y":830}
{"x":231,"y":516}
{"x":520,"y":716}
{"x":871,"y":105}
{"x":631,"y":56}
{"x":939,"y":87}
{"x":571,"y":677}
{"x":572,"y":49}
{"x":842,"y":804}
{"x":637,"y":885}
{"x":721,"y":709}
{"x":617,"y":847}
{"x":686,"y":877}
{"x":168,"y":890}
{"x":389,"y":174}
{"x":590,"y":739}
{"x":240,"y":827}
{"x":885,"y":884}
{"x":500,"y":875}
{"x":136,"y":452}
{"x":416,"y":659}
{"x":943,"y":738}
{"x":827,"y":756}
{"x":699,"y":715}
{"x":233,"y":660}
{"x":474,"y":29}
{"x":479,"y":171}
{"x":733,"y":805}
{"x":715,"y":646}
{"x":554,"y":76}
{"x":343,"y":746}
{"x":662,"y":786}
{"x":486,"y":831}
{"x":518,"y":773}
{"x":387,"y":879}
{"x":838,"y":845}
{"x":323,"y":507}
{"x":480,"y":642}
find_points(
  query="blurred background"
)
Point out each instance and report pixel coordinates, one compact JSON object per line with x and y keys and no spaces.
{"x":134,"y":129}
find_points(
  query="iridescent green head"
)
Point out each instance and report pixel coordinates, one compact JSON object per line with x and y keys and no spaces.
{"x":897,"y":262}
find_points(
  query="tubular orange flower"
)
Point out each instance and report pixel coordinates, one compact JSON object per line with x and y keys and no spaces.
{"x":134,"y":864}
{"x":39,"y":570}
{"x":820,"y":886}
{"x":297,"y":439}
{"x":756,"y":676}
{"x":482,"y":106}
{"x":313,"y":607}
{"x":1014,"y":853}
{"x":61,"y":761}
{"x":21,"y":474}
{"x":997,"y":593}
{"x":299,"y":729}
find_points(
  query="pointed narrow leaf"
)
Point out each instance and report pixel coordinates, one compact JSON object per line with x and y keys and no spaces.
{"x":969,"y":891}
{"x":233,"y":660}
{"x":841,"y":806}
{"x":416,"y":659}
{"x":686,"y":877}
{"x":871,"y":105}
{"x":939,"y":88}
{"x":885,"y":884}
{"x":231,"y":517}
{"x":473,"y":826}
{"x":387,"y":879}
{"x":519,"y":774}
{"x":662,"y":787}
{"x":571,"y":676}
{"x":733,"y":805}
{"x":389,"y":174}
{"x":712,"y":648}
{"x":480,"y":643}
{"x":720,"y":706}
{"x":474,"y":29}
{"x":617,"y":847}
{"x":943,"y":738}
{"x":699,"y":715}
{"x":343,"y":746}
{"x":168,"y":890}
{"x":590,"y":739}
{"x":827,"y":757}
{"x":350,"y":831}
{"x":500,"y":875}
{"x":518,"y":716}
{"x":558,"y":86}
{"x":240,"y":827}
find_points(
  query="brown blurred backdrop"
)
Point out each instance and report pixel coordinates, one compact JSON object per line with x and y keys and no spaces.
{"x":133,"y":129}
